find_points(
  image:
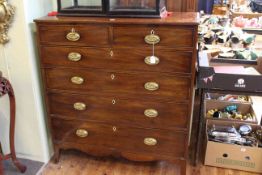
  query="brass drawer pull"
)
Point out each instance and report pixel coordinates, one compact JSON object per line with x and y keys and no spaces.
{"x":152,"y":60}
{"x":82,"y":133}
{"x":150,"y":141}
{"x":74,"y":56}
{"x":151,"y":86}
{"x":151,"y":113}
{"x":152,"y":38}
{"x":73,"y":35}
{"x":79,"y":106}
{"x":77,"y":80}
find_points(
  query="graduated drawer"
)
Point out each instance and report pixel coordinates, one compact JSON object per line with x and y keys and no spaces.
{"x":151,"y":142}
{"x":170,"y":60}
{"x":154,"y":85}
{"x":170,"y":36}
{"x":86,"y":35}
{"x":137,"y":112}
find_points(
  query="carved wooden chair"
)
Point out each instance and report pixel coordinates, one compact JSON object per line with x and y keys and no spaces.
{"x":6,"y":88}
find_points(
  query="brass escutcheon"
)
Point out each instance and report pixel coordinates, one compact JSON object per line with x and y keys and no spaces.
{"x":79,"y":106}
{"x":73,"y":35}
{"x":151,"y":86}
{"x":152,"y":38}
{"x":82,"y":133}
{"x":151,"y":113}
{"x":77,"y":80}
{"x":152,"y":60}
{"x":113,"y":76}
{"x":150,"y":141}
{"x":74,"y":56}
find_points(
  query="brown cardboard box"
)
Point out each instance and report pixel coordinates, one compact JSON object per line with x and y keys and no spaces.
{"x":233,"y":156}
{"x":215,"y":96}
{"x":244,"y":108}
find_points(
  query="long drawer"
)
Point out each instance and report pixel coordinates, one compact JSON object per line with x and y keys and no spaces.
{"x":137,"y":112}
{"x":123,"y":138}
{"x":117,"y":58}
{"x":169,"y":36}
{"x":154,"y":85}
{"x":85,"y":35}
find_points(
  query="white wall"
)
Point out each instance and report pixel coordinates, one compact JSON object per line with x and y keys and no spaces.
{"x":18,"y":62}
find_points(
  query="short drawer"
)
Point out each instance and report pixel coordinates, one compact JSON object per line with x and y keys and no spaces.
{"x":86,"y":35}
{"x":123,"y":138}
{"x":161,"y":114}
{"x":142,"y":84}
{"x":117,"y":58}
{"x":170,"y":36}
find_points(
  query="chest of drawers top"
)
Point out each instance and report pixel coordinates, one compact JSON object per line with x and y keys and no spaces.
{"x":175,"y":31}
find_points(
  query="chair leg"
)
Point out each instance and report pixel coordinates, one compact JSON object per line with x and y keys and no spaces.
{"x":20,"y":166}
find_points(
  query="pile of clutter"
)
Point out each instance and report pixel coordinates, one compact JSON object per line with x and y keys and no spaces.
{"x":227,"y":41}
{"x":247,"y":6}
{"x":244,"y":135}
{"x":230,"y":112}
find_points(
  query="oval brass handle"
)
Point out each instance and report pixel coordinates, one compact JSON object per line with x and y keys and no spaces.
{"x":152,"y":38}
{"x":74,"y":56}
{"x":82,"y":133}
{"x":79,"y":106}
{"x":73,"y":35}
{"x":152,"y":60}
{"x":151,"y":113}
{"x":151,"y":86}
{"x":77,"y":80}
{"x":150,"y":141}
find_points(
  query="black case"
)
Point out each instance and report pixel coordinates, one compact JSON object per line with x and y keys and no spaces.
{"x":119,"y":11}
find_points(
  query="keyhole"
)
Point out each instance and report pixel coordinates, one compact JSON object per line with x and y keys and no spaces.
{"x":152,"y":32}
{"x":114,"y":128}
{"x":111,"y":53}
{"x":113,"y":101}
{"x":112,"y":76}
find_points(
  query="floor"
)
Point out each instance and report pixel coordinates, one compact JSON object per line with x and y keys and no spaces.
{"x":32,"y":167}
{"x":76,"y":163}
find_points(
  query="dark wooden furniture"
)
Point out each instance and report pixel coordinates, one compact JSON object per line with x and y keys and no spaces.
{"x":182,"y":5}
{"x":105,"y":97}
{"x":6,"y":88}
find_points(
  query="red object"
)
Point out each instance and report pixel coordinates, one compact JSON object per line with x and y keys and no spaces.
{"x":53,"y":13}
{"x":166,"y":14}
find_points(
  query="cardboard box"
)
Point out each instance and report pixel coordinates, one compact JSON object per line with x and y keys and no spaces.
{"x":215,"y":96}
{"x":208,"y":78}
{"x":244,"y":108}
{"x":232,"y":156}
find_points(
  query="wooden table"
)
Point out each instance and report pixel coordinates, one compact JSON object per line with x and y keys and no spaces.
{"x":6,"y":88}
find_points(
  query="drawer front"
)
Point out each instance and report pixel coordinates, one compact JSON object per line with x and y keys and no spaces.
{"x":149,"y":114}
{"x":87,"y":35}
{"x":153,"y":85}
{"x":152,"y":142}
{"x":169,"y":60}
{"x":170,"y":36}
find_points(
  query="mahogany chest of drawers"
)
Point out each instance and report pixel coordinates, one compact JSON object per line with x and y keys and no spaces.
{"x":104,"y":94}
